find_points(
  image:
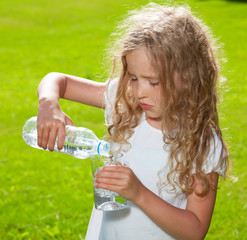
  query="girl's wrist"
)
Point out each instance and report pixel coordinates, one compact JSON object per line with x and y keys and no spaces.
{"x":48,"y":101}
{"x":49,"y":105}
{"x":139,"y":200}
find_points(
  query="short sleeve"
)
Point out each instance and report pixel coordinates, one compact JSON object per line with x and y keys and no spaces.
{"x":110,"y":96}
{"x":214,"y":160}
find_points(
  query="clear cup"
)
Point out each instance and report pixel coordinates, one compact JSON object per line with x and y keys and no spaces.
{"x":106,"y":200}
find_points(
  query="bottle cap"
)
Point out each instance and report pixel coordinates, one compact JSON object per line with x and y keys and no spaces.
{"x":102,"y":147}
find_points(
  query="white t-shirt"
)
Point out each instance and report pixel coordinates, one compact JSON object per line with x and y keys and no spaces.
{"x":145,"y":157}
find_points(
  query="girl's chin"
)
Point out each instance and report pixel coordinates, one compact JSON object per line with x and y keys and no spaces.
{"x":154,"y":121}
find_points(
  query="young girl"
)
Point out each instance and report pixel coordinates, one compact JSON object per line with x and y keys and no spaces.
{"x":161,"y":111}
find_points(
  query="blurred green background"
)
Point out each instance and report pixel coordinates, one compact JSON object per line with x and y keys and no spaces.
{"x":49,"y":195}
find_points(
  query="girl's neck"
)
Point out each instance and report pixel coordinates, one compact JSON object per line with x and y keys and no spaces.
{"x":154,"y":122}
{"x":157,"y":123}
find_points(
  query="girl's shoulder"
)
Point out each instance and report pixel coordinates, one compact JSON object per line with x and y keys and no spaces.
{"x":110,"y":95}
{"x":215,"y":160}
{"x":111,"y":89}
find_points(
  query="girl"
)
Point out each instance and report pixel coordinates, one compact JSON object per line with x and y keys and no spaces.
{"x":161,"y":111}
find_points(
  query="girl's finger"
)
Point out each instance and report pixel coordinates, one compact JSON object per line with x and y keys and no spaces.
{"x":40,"y":129}
{"x":107,"y":184}
{"x":105,"y":174}
{"x":61,"y":136}
{"x":52,"y":138}
{"x":115,"y":188}
{"x":45,"y":137}
{"x":115,"y":168}
{"x":109,"y":181}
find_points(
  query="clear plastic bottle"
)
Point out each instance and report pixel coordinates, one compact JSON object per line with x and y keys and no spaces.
{"x":79,"y":142}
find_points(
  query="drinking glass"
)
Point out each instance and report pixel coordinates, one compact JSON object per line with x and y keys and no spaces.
{"x":106,"y":200}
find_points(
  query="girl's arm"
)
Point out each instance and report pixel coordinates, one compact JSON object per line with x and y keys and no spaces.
{"x":51,"y":119}
{"x":191,"y":223}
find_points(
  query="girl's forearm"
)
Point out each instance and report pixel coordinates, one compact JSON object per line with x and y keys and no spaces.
{"x":58,"y":85}
{"x":181,"y":224}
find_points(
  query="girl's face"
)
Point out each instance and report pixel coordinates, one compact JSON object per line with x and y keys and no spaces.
{"x":146,"y":85}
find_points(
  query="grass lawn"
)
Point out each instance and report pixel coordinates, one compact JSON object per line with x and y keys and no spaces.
{"x":49,"y":195}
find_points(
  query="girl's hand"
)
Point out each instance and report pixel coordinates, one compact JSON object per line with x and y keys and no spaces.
{"x":51,"y":123}
{"x":120,"y":179}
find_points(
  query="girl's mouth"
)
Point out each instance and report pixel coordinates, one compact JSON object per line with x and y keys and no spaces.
{"x":145,"y":106}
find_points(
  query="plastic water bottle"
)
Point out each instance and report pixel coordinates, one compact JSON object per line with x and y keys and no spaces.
{"x":79,"y":142}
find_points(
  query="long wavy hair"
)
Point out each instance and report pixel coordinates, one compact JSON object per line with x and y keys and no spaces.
{"x":181,"y":47}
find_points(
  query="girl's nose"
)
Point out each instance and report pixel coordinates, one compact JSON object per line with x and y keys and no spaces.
{"x":141,"y":91}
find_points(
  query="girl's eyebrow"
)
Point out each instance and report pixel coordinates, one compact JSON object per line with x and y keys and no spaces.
{"x":130,"y":73}
{"x":144,"y":76}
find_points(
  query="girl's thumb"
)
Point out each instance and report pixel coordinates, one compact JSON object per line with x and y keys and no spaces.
{"x":68,"y":121}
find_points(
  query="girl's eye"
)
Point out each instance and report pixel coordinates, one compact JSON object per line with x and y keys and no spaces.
{"x":154,"y":83}
{"x":133,"y":79}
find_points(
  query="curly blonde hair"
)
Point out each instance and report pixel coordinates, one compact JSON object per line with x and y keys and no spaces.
{"x":182,"y":47}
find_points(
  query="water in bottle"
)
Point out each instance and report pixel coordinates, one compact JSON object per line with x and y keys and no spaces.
{"x":79,"y":142}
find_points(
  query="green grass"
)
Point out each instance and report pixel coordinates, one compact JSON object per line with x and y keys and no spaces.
{"x":49,"y":195}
